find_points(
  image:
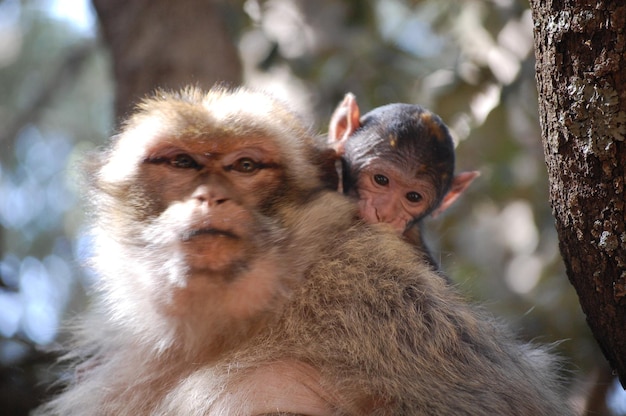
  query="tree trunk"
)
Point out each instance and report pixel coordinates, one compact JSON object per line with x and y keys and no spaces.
{"x":168,"y":44}
{"x":580,"y":48}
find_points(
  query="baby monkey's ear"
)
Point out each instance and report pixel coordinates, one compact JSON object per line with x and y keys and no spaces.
{"x":459,"y":184}
{"x":343,"y":123}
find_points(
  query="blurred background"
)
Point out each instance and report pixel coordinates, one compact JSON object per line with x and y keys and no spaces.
{"x":469,"y":61}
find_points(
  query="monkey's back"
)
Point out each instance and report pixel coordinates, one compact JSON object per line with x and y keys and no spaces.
{"x":391,"y":334}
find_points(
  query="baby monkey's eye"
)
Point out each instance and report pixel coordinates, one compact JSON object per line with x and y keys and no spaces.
{"x":184,"y":161}
{"x":414,"y":196}
{"x":245,"y":165}
{"x":381,"y":179}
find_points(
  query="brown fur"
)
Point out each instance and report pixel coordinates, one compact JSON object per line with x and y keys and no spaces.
{"x":335,"y":318}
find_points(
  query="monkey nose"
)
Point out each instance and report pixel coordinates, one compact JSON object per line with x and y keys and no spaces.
{"x":210,"y":195}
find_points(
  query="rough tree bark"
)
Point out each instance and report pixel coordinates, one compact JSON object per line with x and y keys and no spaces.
{"x":580,"y":47}
{"x":168,"y":44}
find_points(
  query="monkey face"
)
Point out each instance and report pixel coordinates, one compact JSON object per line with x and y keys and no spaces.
{"x":194,"y":198}
{"x":390,"y":196}
{"x":211,"y":196}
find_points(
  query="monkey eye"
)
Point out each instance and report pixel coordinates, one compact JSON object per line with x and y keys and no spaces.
{"x":184,"y":161}
{"x":381,"y":179}
{"x":245,"y":165}
{"x":414,"y":196}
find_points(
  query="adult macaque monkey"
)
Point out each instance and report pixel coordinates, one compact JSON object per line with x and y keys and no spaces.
{"x":398,"y":160}
{"x":233,"y":282}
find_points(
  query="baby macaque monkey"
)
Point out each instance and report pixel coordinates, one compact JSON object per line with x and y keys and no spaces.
{"x":233,"y":282}
{"x":398,"y":160}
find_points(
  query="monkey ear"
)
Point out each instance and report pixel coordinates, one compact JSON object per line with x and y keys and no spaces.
{"x":344,"y":122}
{"x":459,"y":185}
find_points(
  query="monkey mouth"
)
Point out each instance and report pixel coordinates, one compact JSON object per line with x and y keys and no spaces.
{"x":187,"y":236}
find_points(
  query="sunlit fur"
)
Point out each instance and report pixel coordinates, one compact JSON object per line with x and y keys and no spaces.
{"x":335,"y":318}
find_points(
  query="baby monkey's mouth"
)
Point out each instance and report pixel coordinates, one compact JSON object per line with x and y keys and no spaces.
{"x":187,"y":236}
